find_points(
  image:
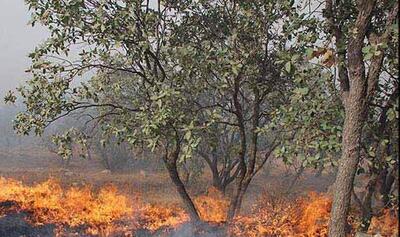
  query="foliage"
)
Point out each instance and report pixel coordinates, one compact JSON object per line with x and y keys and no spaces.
{"x":145,"y":72}
{"x":312,"y":120}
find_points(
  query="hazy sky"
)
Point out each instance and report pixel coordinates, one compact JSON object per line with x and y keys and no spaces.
{"x":17,"y":39}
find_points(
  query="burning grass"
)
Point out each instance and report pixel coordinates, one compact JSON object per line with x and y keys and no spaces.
{"x":104,"y":213}
{"x":49,"y":203}
{"x":107,"y":212}
{"x":155,"y":217}
{"x":304,"y":217}
{"x":386,"y":224}
{"x":212,"y":206}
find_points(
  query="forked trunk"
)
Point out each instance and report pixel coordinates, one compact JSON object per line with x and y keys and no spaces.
{"x":242,"y":170}
{"x":217,"y":183}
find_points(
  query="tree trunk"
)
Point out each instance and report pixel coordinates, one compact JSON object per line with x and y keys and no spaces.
{"x":180,"y":187}
{"x":238,"y":193}
{"x":386,"y":187}
{"x":346,"y":172}
{"x":367,"y":204}
{"x":104,"y":157}
{"x":217,"y":182}
{"x":295,"y":178}
{"x":170,"y":163}
{"x":355,"y":110}
{"x":233,"y":206}
{"x":355,"y":103}
{"x":356,"y":89}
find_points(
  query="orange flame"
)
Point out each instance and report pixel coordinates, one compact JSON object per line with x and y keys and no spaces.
{"x":213,"y":206}
{"x":107,"y":211}
{"x":156,"y":217}
{"x":307,"y":217}
{"x":386,"y":224}
{"x":49,"y":203}
{"x":315,"y":215}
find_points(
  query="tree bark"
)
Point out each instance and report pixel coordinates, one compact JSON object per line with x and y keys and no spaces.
{"x":295,"y":178}
{"x":254,"y":148}
{"x":347,"y":168}
{"x":355,"y":99}
{"x":170,"y":161}
{"x":180,"y":187}
{"x":355,"y":103}
{"x":367,"y":204}
{"x":233,"y":206}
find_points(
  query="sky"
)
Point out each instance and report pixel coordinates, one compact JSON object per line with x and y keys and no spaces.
{"x":17,"y":40}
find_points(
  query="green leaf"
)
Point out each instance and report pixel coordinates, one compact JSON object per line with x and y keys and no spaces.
{"x":391,"y":114}
{"x":309,"y":53}
{"x":371,"y":153}
{"x":303,"y":91}
{"x":368,"y":56}
{"x":288,"y":67}
{"x":366,"y":49}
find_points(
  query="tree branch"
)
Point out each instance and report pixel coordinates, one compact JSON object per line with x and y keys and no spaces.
{"x":377,"y":60}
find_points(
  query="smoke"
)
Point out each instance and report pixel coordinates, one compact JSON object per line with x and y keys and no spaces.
{"x":188,"y":229}
{"x":202,"y":230}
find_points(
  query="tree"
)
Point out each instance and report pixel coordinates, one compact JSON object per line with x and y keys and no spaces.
{"x":119,"y":40}
{"x":113,"y":156}
{"x":151,"y":66}
{"x":379,"y":148}
{"x":365,"y":79}
{"x":357,"y":86}
{"x":244,"y":62}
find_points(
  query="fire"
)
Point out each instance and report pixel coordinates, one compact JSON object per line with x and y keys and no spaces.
{"x":213,"y":206}
{"x":315,"y":215}
{"x":156,"y":217}
{"x":107,"y":212}
{"x":306,"y":217}
{"x":386,"y":224}
{"x":48,"y":203}
{"x":271,"y":217}
{"x":100,"y":212}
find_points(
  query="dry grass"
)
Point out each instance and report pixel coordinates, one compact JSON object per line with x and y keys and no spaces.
{"x":162,"y":205}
